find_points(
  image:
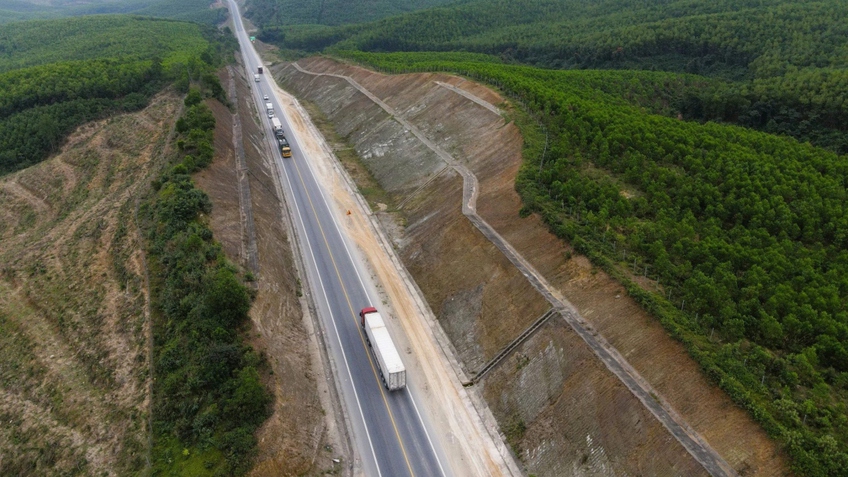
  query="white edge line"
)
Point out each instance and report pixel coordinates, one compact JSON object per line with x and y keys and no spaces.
{"x":415,"y":406}
{"x":329,"y":309}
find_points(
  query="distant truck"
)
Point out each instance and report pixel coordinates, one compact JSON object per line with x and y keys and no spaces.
{"x":391,"y":368}
{"x":256,"y":78}
{"x":278,"y":127}
{"x":269,"y":108}
{"x":285,"y":150}
{"x":260,"y":70}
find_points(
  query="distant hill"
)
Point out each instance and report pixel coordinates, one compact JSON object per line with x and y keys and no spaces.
{"x":189,"y":10}
{"x":730,"y":37}
{"x":271,"y":13}
{"x":784,"y":64}
{"x":58,"y":74}
{"x":45,"y":41}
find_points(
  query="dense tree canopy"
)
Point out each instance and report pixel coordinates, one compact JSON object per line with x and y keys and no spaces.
{"x":270,"y":13}
{"x":38,"y":42}
{"x":783,"y":62}
{"x":187,"y":10}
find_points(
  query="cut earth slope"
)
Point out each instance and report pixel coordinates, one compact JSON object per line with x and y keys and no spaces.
{"x":482,"y":301}
{"x":300,"y":437}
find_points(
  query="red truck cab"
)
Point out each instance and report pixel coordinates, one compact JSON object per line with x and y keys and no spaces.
{"x":364,"y":312}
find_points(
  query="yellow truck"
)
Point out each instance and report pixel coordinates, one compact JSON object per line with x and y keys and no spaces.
{"x":284,"y":147}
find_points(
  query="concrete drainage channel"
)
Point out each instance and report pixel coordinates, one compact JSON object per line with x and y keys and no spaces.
{"x":510,"y":347}
{"x":612,"y":359}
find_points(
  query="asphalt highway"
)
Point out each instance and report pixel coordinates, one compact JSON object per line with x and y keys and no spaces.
{"x":391,"y":436}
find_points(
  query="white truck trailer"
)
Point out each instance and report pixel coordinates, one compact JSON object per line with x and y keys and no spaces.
{"x":269,"y":108}
{"x":391,"y":368}
{"x":278,"y":127}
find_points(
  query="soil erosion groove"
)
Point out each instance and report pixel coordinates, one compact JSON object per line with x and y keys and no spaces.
{"x":687,"y":436}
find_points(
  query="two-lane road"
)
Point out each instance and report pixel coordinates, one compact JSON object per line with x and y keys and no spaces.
{"x":390,"y":435}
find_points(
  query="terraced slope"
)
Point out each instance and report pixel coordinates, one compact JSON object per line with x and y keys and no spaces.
{"x":73,"y":306}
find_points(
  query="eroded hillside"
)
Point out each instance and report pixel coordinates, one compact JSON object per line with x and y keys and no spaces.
{"x":73,"y":306}
{"x":558,"y":406}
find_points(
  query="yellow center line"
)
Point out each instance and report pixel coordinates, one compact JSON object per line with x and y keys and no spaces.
{"x":353,"y":312}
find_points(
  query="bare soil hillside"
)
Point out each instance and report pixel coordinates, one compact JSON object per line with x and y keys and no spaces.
{"x":73,"y":301}
{"x":562,"y":411}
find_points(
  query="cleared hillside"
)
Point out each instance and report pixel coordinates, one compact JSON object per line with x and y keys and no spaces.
{"x":73,"y":302}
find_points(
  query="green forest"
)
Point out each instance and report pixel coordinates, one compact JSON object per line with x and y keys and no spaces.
{"x":208,"y":396}
{"x":776,"y":65}
{"x":743,"y":232}
{"x":271,"y":13}
{"x":58,"y":74}
{"x":188,"y":10}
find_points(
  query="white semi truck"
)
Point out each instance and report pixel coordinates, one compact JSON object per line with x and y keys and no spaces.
{"x":278,"y":127}
{"x":389,"y":365}
{"x":269,"y":108}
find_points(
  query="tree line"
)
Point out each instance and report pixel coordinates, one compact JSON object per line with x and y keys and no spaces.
{"x":208,"y":396}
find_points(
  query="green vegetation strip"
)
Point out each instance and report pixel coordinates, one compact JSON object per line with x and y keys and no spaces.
{"x":742,"y":234}
{"x":208,"y":398}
